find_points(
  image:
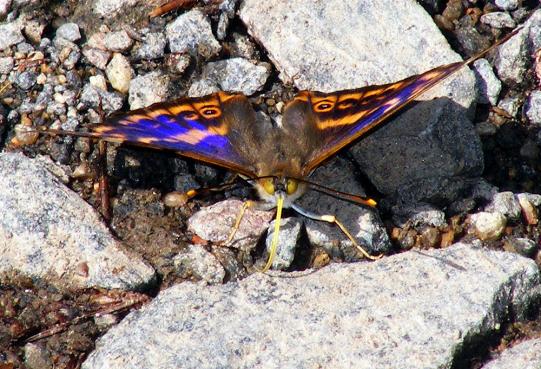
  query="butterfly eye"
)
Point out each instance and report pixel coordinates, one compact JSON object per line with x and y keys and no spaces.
{"x":323,"y":107}
{"x":268,"y":185}
{"x":291,"y":186}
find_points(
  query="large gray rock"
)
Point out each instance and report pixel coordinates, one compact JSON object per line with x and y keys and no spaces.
{"x":398,"y":312}
{"x":334,"y":45}
{"x":48,"y":232}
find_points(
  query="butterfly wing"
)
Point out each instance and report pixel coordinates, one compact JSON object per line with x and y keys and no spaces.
{"x":334,"y":120}
{"x":208,"y":128}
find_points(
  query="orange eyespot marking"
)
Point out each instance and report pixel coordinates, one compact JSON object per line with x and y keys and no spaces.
{"x":210,"y":112}
{"x":191,"y":116}
{"x":323,"y":106}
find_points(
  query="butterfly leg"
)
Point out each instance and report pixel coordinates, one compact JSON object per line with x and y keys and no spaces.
{"x":332,"y":219}
{"x":245,"y":205}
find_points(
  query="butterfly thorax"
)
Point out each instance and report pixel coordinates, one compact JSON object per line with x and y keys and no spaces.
{"x":279,"y":169}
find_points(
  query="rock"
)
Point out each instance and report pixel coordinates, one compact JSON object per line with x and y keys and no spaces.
{"x":118,"y":41}
{"x":333,"y":45}
{"x":511,"y":60}
{"x":153,"y":46}
{"x":488,"y":84}
{"x":6,"y":64}
{"x":69,"y":31}
{"x":498,"y":20}
{"x":26,"y":79}
{"x":47,"y":231}
{"x":288,"y":237}
{"x":4,"y":7}
{"x":523,"y":246}
{"x":418,"y":215}
{"x":507,"y":4}
{"x":119,"y":72}
{"x":215,"y":223}
{"x":420,"y":150}
{"x":203,"y":87}
{"x":530,"y":150}
{"x":532,"y":107}
{"x":528,"y":206}
{"x":191,"y":33}
{"x":111,"y":8}
{"x":98,"y":81}
{"x":33,"y":30}
{"x":97,"y":57}
{"x":96,"y":97}
{"x":37,"y":356}
{"x":360,"y":221}
{"x":342,"y":316}
{"x":237,"y":74}
{"x":10,"y":34}
{"x":524,"y":355}
{"x":148,"y":89}
{"x":510,"y":104}
{"x":488,"y":226}
{"x":486,"y":129}
{"x":197,"y":262}
{"x":505,"y":203}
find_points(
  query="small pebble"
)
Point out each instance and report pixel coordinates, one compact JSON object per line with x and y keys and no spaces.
{"x":118,"y":41}
{"x":488,"y":226}
{"x":507,"y":4}
{"x":6,"y":64}
{"x":153,"y":46}
{"x":510,"y":104}
{"x":98,"y":81}
{"x":532,"y":107}
{"x":529,"y":211}
{"x":69,"y":31}
{"x":288,"y":237}
{"x":119,"y":73}
{"x":26,"y":80}
{"x":33,"y":30}
{"x":191,"y":32}
{"x":523,"y":246}
{"x":489,"y":85}
{"x":505,"y":203}
{"x":498,"y":20}
{"x":148,"y":89}
{"x":10,"y":34}
{"x":175,"y":199}
{"x":97,"y":57}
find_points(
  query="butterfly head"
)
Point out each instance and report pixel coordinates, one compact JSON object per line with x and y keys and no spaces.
{"x":272,"y":187}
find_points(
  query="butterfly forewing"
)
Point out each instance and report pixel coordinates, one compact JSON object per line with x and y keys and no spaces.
{"x":203,"y":128}
{"x":341,"y":117}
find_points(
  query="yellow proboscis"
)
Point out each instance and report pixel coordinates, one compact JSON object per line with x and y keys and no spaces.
{"x":274,"y":243}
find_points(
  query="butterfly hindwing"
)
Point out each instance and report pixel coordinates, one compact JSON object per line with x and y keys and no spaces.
{"x":336,"y":119}
{"x":204,"y":128}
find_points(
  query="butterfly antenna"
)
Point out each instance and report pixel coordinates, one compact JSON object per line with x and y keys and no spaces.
{"x":496,"y":44}
{"x":361,"y":200}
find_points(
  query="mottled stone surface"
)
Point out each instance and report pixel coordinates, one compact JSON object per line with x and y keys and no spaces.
{"x":524,"y":355}
{"x":398,"y":312}
{"x":48,"y":232}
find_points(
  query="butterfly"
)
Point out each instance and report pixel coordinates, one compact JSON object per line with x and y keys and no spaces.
{"x":223,"y":129}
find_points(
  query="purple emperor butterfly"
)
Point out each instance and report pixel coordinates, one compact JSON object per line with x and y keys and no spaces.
{"x":223,"y":129}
